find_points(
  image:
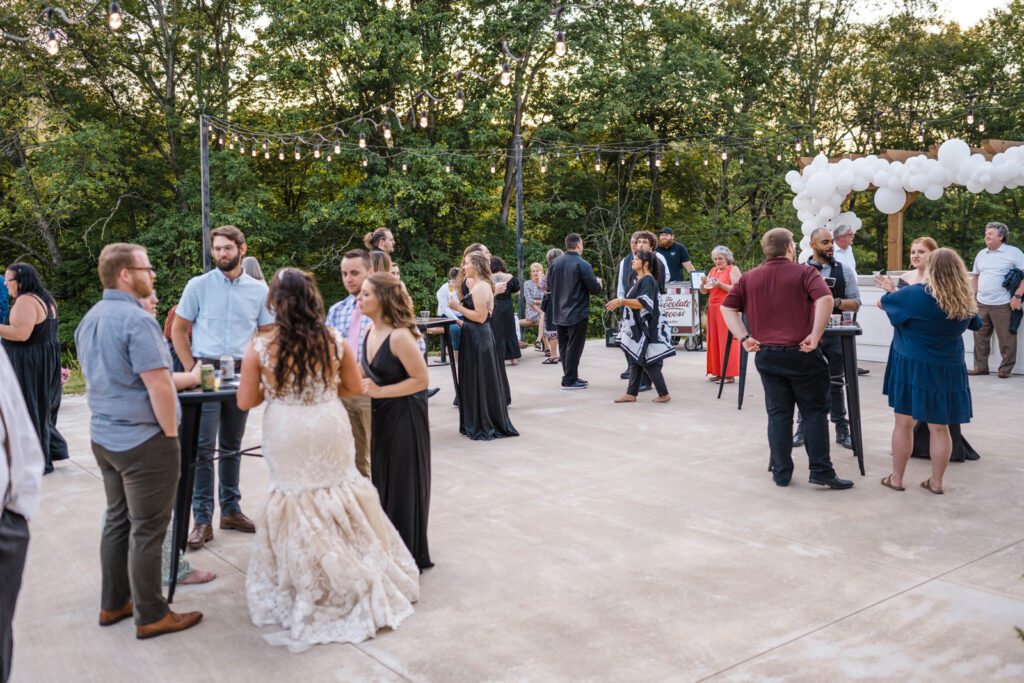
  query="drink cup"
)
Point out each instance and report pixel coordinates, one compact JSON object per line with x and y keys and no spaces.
{"x":847,"y":317}
{"x":227,"y":367}
{"x":835,"y":319}
{"x":425,"y":314}
{"x":206,"y":377}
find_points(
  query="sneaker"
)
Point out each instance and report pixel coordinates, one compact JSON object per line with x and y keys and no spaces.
{"x":578,"y":384}
{"x":624,"y":374}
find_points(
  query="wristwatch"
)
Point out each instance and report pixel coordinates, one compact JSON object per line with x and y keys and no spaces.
{"x":744,"y":339}
{"x":1017,"y":297}
{"x":837,"y":304}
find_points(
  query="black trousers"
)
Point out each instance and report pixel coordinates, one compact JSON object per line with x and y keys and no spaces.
{"x":793,"y":378}
{"x":13,"y":550}
{"x":570,"y":348}
{"x":648,"y":373}
{"x":833,"y":350}
{"x":644,"y":377}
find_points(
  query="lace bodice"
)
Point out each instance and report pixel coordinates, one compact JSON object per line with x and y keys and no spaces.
{"x":314,"y":392}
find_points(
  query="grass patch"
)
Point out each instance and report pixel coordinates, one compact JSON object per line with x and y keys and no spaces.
{"x":76,"y":382}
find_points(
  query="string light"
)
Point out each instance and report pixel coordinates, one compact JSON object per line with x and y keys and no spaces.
{"x":778,"y":154}
{"x":597,"y":160}
{"x":448,"y":166}
{"x":221,"y":141}
{"x":231,"y":144}
{"x":329,"y":157}
{"x":981,"y":126}
{"x":387,"y":130}
{"x":798,"y":146}
{"x":254,"y":152}
{"x":423,"y":118}
{"x":705,"y":158}
{"x":741,"y":158}
{"x":677,"y":160}
{"x":366,"y":160}
{"x":52,"y":46}
{"x":725,"y":155}
{"x":362,"y":141}
{"x":298,"y":155}
{"x":878,"y":133}
{"x":559,"y":44}
{"x":657,"y":161}
{"x":970,"y":116}
{"x":241,"y":146}
{"x":543,"y":165}
{"x":460,"y":102}
{"x":506,"y":74}
{"x":405,"y":167}
{"x":920,"y":133}
{"x":316,"y":152}
{"x":115,"y":16}
{"x":493,"y":169}
{"x":622,"y":159}
{"x":280,"y":153}
{"x":337,"y":146}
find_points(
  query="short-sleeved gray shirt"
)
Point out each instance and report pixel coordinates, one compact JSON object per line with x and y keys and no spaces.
{"x":117,"y":339}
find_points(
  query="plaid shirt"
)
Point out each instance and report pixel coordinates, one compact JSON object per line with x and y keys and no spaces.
{"x":340,"y":317}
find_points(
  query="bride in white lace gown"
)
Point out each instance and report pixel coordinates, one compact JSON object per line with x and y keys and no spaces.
{"x":326,"y":563}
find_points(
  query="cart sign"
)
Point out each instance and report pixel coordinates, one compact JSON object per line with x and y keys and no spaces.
{"x":678,"y":309}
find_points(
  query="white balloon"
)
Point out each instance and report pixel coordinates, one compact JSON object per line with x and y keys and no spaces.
{"x":826,"y":214}
{"x":896,"y":182}
{"x":804,"y":215}
{"x":860,"y":183}
{"x":807,"y":227}
{"x":973,"y":186}
{"x":798,"y":186}
{"x":792,"y":177}
{"x":821,"y":185}
{"x":844,"y":181}
{"x":933,"y":192}
{"x":953,"y":153}
{"x":888,"y":200}
{"x":881,"y":178}
{"x":994,"y":186}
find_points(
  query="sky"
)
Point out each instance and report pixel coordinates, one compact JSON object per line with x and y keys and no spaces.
{"x":965,"y":12}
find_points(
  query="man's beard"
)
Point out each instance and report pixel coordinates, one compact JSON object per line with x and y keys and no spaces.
{"x":142,"y":288}
{"x":823,"y":255}
{"x":229,"y":265}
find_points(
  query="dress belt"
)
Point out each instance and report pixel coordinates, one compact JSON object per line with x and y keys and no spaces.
{"x":215,"y":362}
{"x":780,"y":348}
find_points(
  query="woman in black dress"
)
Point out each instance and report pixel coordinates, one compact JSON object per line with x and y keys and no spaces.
{"x":483,"y":412}
{"x":30,"y":340}
{"x":504,"y":320}
{"x":396,"y":379}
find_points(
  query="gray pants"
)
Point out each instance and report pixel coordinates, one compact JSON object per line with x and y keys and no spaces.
{"x":360,"y":416}
{"x":995,"y":319}
{"x":140,"y":484}
{"x":13,"y":549}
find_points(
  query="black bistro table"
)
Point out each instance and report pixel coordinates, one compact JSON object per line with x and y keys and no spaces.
{"x":444,"y":324}
{"x":192,"y":401}
{"x":846,"y":334}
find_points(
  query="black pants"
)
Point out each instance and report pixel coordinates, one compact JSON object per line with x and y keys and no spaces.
{"x":649,"y":373}
{"x":570,"y":347}
{"x":795,"y":378}
{"x":833,"y":350}
{"x":13,"y":549}
{"x":644,"y":377}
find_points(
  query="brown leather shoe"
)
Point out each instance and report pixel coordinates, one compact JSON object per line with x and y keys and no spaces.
{"x":109,"y":617}
{"x":1004,"y":375}
{"x":199,"y":536}
{"x":169,"y":624}
{"x":974,"y":373}
{"x":238,"y":522}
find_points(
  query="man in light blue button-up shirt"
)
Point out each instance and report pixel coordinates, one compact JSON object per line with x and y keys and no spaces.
{"x":221,"y":310}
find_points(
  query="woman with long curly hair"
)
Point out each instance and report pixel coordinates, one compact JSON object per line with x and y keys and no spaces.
{"x":31,"y":342}
{"x":483,"y":407}
{"x":926,"y":377}
{"x":326,"y":563}
{"x":395,"y":378}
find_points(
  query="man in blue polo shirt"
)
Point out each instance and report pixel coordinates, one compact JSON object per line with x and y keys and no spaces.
{"x":222,"y":310}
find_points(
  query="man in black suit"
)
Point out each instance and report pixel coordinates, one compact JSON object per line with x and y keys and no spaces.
{"x":571,"y":281}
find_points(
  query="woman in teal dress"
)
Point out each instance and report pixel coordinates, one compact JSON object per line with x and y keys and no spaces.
{"x":926,"y":377}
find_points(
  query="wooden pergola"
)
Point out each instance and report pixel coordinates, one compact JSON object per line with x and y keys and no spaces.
{"x":894,"y":240}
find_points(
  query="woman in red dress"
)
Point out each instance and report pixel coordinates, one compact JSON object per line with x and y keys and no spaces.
{"x":717,"y":284}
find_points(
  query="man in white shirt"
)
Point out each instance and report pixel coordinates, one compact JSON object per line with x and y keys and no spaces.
{"x":844,"y":246}
{"x":444,"y":293}
{"x":995,"y":303}
{"x":21,"y":475}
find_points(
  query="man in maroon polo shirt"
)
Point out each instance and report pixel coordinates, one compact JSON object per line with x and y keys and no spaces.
{"x":787,"y":306}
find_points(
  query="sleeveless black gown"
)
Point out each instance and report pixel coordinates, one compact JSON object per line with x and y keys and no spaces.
{"x":36,"y":362}
{"x":503,"y":322}
{"x":400,"y":453}
{"x":483,"y":410}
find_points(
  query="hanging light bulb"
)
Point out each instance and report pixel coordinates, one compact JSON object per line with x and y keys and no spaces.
{"x":981,"y":126}
{"x":638,"y":3}
{"x":970,"y":116}
{"x":705,"y":159}
{"x":493,"y":168}
{"x":725,"y":155}
{"x":52,"y":46}
{"x":677,"y":160}
{"x":920,"y":134}
{"x":115,"y":16}
{"x":741,"y":158}
{"x":448,"y":166}
{"x":423,"y":118}
{"x":559,"y":44}
{"x":221,"y":141}
{"x":241,"y":146}
{"x":387,"y":130}
{"x":798,"y":146}
{"x":366,"y":160}
{"x":597,"y":160}
{"x":266,"y":153}
{"x":778,"y":156}
{"x":878,"y":133}
{"x":329,"y":157}
{"x":405,"y":167}
{"x":254,"y":152}
{"x":231,"y":144}
{"x":280,"y":154}
{"x":506,"y":73}
{"x":298,"y":155}
{"x":622,"y":159}
{"x":337,"y":146}
{"x":362,"y":141}
{"x":316,"y":152}
{"x":460,"y":102}
{"x":657,"y":161}
{"x":543,"y":165}
{"x":648,"y":161}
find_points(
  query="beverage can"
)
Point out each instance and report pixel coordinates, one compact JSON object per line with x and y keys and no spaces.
{"x":206,"y":377}
{"x":227,"y":367}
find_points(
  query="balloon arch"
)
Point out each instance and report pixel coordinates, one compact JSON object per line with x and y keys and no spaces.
{"x":898,"y":177}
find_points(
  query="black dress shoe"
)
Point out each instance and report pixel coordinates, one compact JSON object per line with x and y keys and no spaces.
{"x":624,"y":374}
{"x":832,"y":482}
{"x":578,"y":384}
{"x":844,"y":440}
{"x":862,"y":371}
{"x":798,"y":438}
{"x":645,"y":387}
{"x":779,"y":481}
{"x":431,"y":392}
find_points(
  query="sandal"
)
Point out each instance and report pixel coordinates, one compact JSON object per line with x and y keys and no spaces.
{"x":549,"y":361}
{"x":887,"y":481}
{"x":714,"y":379}
{"x":927,"y":484}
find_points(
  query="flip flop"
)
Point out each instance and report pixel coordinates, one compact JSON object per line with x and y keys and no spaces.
{"x":887,"y":481}
{"x":549,"y":361}
{"x":714,"y":379}
{"x":927,"y":484}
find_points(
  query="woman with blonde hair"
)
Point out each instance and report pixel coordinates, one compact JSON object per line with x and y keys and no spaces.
{"x":926,"y":377}
{"x":717,"y":284}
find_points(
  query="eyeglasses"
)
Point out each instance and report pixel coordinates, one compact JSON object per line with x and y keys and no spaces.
{"x":151,"y":269}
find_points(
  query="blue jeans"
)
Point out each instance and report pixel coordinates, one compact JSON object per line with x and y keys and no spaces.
{"x":226,"y":418}
{"x":456,"y":332}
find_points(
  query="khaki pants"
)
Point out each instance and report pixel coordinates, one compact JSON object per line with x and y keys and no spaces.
{"x":360,"y":414}
{"x":997,"y":319}
{"x":140,"y":484}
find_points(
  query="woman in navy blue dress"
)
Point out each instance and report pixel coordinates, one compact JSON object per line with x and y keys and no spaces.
{"x":926,"y":377}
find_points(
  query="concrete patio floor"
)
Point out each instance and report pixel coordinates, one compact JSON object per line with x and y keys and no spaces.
{"x":638,"y":542}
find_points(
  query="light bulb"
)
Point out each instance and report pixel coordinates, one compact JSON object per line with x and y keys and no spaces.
{"x":648,"y":162}
{"x":970,"y":117}
{"x":506,"y":73}
{"x":543,"y":166}
{"x":316,"y":152}
{"x":460,"y":102}
{"x":638,"y":3}
{"x":387,"y":130}
{"x":362,"y":141}
{"x":241,"y":147}
{"x":677,"y":160}
{"x":741,"y":158}
{"x":597,"y":162}
{"x":221,"y":141}
{"x":337,"y":147}
{"x":254,"y":152}
{"x":266,"y":154}
{"x":920,"y":135}
{"x":52,"y":46}
{"x":115,"y":16}
{"x":231,"y":144}
{"x":878,"y":134}
{"x":423,"y":119}
{"x":657,"y":161}
{"x":447,"y":166}
{"x":493,"y":169}
{"x":559,"y":44}
{"x":778,"y":156}
{"x":981,"y":126}
{"x":622,"y":160}
{"x":705,"y":159}
{"x":725,"y":155}
{"x":329,"y":157}
{"x":405,"y":167}
{"x":798,"y":146}
{"x":298,"y":155}
{"x":366,"y":161}
{"x":280,"y":154}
